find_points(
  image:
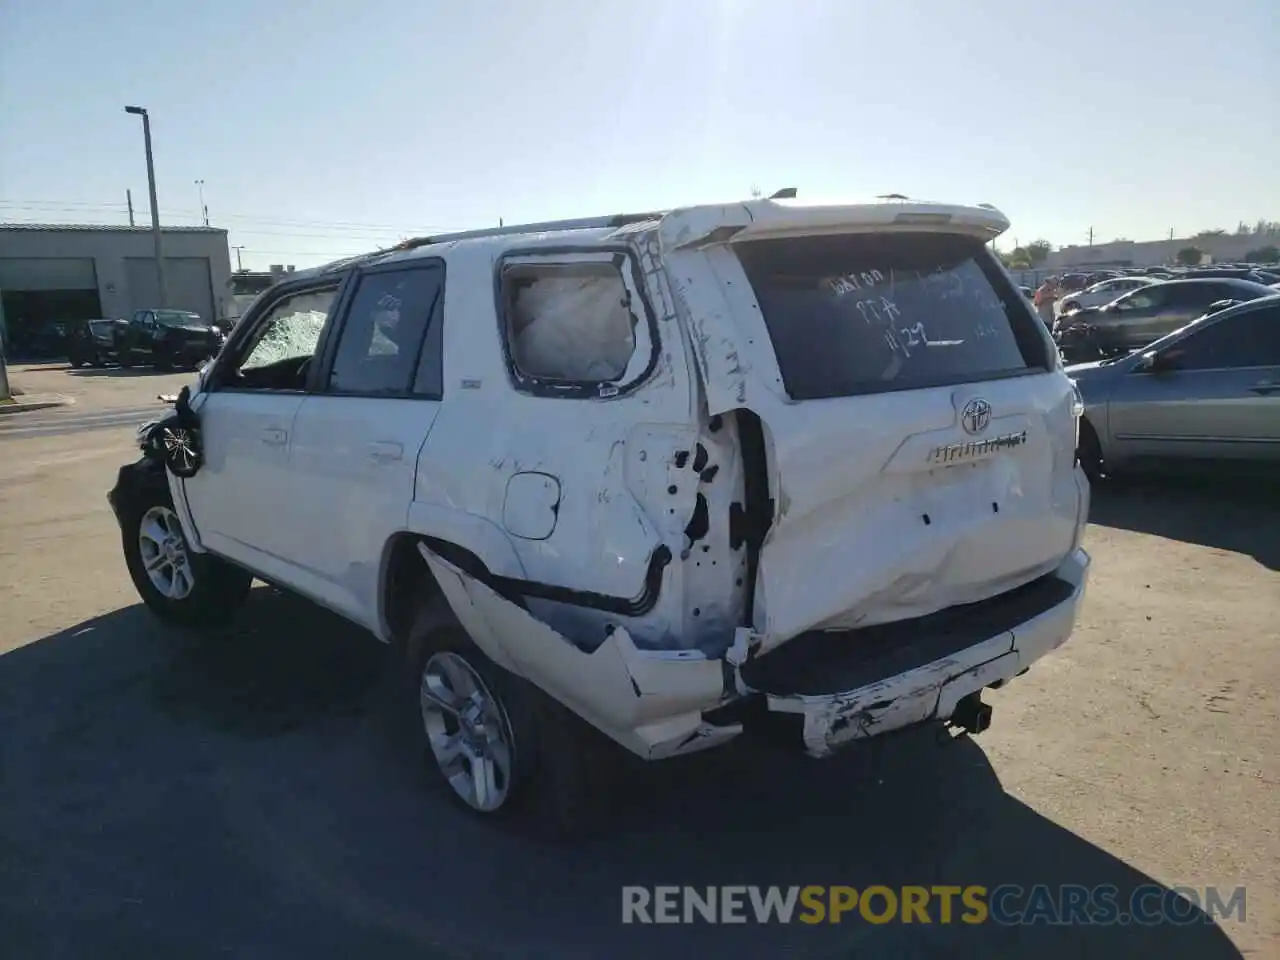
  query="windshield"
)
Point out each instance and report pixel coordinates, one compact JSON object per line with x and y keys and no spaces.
{"x":867,"y":313}
{"x":100,"y":326}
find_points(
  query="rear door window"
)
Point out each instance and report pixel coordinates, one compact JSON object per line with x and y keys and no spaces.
{"x":868,"y":313}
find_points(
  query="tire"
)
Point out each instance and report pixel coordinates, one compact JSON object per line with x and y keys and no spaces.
{"x":1089,"y":451}
{"x":555,"y":762}
{"x":215,"y":588}
{"x":76,"y":363}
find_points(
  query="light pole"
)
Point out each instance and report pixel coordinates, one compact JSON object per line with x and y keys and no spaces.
{"x":204,"y":211}
{"x":155,"y":210}
{"x":239,"y":266}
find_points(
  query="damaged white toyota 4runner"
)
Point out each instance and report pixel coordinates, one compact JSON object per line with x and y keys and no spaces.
{"x":668,"y":474}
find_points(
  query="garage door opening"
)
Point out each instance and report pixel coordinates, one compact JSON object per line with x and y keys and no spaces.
{"x":36,"y":319}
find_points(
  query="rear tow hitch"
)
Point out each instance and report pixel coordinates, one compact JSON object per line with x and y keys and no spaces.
{"x":971,"y":714}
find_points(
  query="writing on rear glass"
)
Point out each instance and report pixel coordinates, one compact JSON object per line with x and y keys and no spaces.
{"x":871,"y":294}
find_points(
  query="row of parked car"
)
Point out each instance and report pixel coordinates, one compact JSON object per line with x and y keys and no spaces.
{"x":1123,"y":314}
{"x":166,"y":339}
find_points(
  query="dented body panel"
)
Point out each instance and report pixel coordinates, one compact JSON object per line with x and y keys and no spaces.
{"x":640,"y":545}
{"x":932,"y":690}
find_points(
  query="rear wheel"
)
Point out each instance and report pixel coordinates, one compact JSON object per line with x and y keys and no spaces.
{"x":180,"y":585}
{"x":76,"y":363}
{"x":502,"y":747}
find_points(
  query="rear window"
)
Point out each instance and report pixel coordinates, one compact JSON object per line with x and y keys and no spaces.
{"x":868,"y":313}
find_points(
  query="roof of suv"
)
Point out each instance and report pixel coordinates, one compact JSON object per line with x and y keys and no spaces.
{"x":689,"y":226}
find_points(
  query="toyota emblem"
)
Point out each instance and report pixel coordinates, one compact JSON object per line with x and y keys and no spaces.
{"x":975,"y":416}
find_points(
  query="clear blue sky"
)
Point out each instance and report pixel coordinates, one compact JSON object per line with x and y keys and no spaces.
{"x":324,"y":128}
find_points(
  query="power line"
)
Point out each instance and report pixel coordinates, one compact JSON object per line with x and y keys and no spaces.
{"x":45,"y":206}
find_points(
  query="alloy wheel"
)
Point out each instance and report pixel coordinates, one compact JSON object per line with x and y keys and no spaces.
{"x":468,"y":730}
{"x":165,"y":556}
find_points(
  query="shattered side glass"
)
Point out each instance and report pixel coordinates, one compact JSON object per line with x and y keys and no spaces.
{"x":293,"y":331}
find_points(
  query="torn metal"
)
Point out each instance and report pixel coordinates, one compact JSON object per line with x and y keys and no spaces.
{"x":656,"y":703}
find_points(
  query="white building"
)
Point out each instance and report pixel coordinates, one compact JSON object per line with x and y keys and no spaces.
{"x":59,"y":272}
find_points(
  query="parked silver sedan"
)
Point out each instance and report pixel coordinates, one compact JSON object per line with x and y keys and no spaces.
{"x":1100,"y":294}
{"x":1209,"y":391}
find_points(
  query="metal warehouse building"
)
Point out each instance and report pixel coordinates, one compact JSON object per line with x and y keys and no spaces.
{"x":58,"y":272}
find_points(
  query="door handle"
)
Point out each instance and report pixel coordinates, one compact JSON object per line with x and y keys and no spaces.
{"x":386,"y":450}
{"x":1265,"y":388}
{"x":274,"y":436}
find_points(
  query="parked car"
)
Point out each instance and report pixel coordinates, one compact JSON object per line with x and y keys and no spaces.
{"x":1208,"y":392}
{"x":1073,"y":283}
{"x":1102,"y":293}
{"x":168,"y":339}
{"x":91,"y":342}
{"x":38,"y":341}
{"x":594,"y":481}
{"x":1142,"y":316}
{"x":1238,"y":273}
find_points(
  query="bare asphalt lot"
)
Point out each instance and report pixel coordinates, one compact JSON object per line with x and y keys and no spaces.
{"x":259,"y":793}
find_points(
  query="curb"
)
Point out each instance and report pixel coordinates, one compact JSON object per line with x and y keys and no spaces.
{"x":35,"y":403}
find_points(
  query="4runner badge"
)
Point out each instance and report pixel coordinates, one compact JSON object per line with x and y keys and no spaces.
{"x":975,"y":416}
{"x":975,"y":449}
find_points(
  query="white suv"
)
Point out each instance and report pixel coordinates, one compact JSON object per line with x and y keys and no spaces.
{"x":674,"y":475}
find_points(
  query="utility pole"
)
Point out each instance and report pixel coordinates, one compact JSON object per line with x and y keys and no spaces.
{"x":239,"y":267}
{"x":5,"y":393}
{"x":155,"y":209}
{"x":204,"y":211}
{"x":1091,"y":236}
{"x":128,"y":196}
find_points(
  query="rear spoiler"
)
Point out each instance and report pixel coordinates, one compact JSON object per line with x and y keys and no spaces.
{"x":770,"y":219}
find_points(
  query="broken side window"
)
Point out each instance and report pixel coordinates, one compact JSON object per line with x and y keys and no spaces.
{"x":292,"y":330}
{"x":575,"y":320}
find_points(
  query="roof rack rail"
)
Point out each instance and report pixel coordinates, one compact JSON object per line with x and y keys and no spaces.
{"x":546,"y":226}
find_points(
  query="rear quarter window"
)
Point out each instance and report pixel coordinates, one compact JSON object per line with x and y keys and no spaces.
{"x":868,"y":313}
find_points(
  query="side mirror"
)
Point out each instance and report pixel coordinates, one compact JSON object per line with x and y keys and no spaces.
{"x":1159,"y":361}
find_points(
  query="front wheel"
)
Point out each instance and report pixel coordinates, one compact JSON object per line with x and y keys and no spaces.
{"x":177,"y":583}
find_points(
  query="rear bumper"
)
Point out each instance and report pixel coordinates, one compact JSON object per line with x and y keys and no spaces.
{"x":921,"y":679}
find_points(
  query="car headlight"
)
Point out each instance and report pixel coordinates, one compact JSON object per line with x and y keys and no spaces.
{"x":216,"y":331}
{"x":1077,"y":406}
{"x":1077,"y":411}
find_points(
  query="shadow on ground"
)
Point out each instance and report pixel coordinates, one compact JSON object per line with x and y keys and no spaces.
{"x":255,"y":793}
{"x":1228,"y":511}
